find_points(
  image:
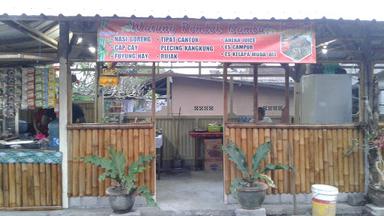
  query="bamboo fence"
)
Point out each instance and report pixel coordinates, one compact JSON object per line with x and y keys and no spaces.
{"x":95,"y":139}
{"x":317,"y":154}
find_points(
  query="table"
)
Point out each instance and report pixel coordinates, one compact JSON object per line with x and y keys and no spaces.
{"x":199,"y":135}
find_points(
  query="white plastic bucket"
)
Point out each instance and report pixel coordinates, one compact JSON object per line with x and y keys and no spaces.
{"x":324,"y":199}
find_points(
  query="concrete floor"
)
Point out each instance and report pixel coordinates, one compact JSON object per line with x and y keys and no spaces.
{"x":193,"y":190}
{"x":193,"y":193}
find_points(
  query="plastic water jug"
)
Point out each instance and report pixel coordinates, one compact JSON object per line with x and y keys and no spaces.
{"x":53,"y":130}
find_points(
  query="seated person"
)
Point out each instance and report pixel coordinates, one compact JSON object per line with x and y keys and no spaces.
{"x":42,"y":118}
{"x":262,"y":117}
{"x":77,"y":114}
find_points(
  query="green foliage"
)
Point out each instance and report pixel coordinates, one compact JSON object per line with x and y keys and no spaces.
{"x":261,"y":152}
{"x":115,"y":168}
{"x":251,"y":176}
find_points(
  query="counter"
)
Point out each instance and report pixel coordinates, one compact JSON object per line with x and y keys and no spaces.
{"x":30,"y":179}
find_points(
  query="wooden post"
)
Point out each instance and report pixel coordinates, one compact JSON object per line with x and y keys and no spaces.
{"x":169,"y":103}
{"x":225,"y":91}
{"x":97,"y":113}
{"x":231,"y":112}
{"x":362,"y":88}
{"x":65,"y":105}
{"x":255,"y":93}
{"x":153,"y":91}
{"x":285,"y":112}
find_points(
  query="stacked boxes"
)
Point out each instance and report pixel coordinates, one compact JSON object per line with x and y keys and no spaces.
{"x":52,"y":90}
{"x":213,"y":155}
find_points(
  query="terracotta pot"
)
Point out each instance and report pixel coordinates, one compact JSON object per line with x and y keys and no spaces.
{"x":120,"y":200}
{"x":252,"y":197}
{"x":376,"y":195}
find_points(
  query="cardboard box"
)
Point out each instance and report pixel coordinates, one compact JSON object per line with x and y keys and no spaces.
{"x":212,"y":149}
{"x":213,"y":165}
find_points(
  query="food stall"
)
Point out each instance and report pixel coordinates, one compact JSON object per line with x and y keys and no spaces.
{"x":30,"y":162}
{"x":66,"y":179}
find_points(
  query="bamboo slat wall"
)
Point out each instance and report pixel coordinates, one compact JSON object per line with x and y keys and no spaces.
{"x":95,"y":139}
{"x":317,"y":153}
{"x":29,"y":185}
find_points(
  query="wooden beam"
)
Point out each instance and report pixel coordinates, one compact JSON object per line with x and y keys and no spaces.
{"x":65,"y":108}
{"x":33,"y":33}
{"x":255,"y":93}
{"x":225,"y":91}
{"x":153,"y":92}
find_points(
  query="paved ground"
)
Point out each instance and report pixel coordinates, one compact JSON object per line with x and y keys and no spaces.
{"x":187,"y":194}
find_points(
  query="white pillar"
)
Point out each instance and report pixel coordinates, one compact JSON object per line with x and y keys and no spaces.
{"x":64,"y":94}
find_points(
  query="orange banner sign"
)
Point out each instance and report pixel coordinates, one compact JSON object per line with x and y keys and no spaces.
{"x":172,"y":40}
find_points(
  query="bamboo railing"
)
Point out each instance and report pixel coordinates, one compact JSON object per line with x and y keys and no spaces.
{"x":30,"y":186}
{"x":95,"y":139}
{"x":317,"y":154}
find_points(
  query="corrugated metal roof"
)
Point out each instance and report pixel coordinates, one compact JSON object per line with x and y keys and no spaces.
{"x":212,"y":9}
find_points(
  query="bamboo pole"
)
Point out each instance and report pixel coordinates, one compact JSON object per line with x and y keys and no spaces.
{"x":43,"y":198}
{"x":54,"y":184}
{"x":279,"y":155}
{"x":147,"y":142}
{"x":19,"y":184}
{"x":321,"y":156}
{"x":76,"y":162}
{"x":325,"y":155}
{"x":82,"y":153}
{"x":107,"y":145}
{"x":12,"y":184}
{"x":101,"y":185}
{"x":48,"y":181}
{"x":88,"y":166}
{"x":302,"y":166}
{"x":312,"y":150}
{"x":356,"y":161}
{"x":307,"y":168}
{"x":285,"y":152}
{"x":95,"y":151}
{"x":272,"y":157}
{"x":316,"y":156}
{"x":1,"y":186}
{"x":330,"y":156}
{"x":24,"y":176}
{"x":340,"y":159}
{"x":350,"y":162}
{"x":296,"y":152}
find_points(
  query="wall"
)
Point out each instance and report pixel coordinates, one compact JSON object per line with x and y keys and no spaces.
{"x":189,"y":92}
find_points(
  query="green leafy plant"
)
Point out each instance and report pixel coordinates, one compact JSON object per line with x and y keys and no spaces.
{"x":125,"y":176}
{"x":251,"y":175}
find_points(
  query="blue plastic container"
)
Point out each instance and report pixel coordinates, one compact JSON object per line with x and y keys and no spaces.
{"x":53,"y":131}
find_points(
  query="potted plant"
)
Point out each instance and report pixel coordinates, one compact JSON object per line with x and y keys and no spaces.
{"x":376,"y":168}
{"x":122,"y":195}
{"x":250,"y":189}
